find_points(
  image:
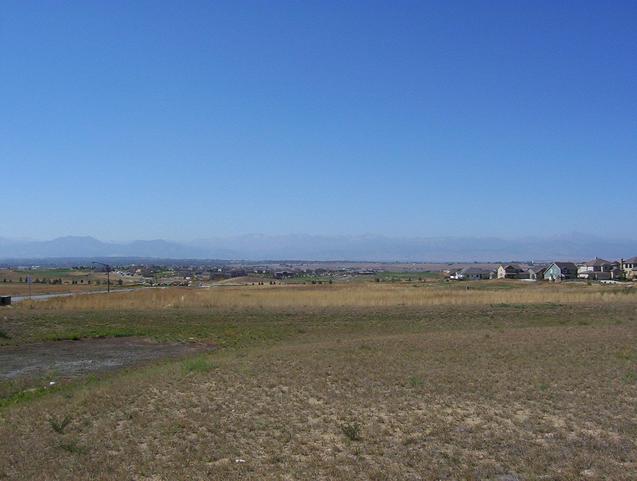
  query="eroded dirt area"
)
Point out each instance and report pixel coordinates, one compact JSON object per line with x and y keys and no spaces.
{"x":68,"y":359}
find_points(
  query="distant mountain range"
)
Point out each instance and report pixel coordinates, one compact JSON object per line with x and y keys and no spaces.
{"x":85,"y":246}
{"x":322,"y":248}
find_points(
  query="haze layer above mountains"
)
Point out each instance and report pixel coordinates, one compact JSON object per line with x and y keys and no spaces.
{"x":321,"y":248}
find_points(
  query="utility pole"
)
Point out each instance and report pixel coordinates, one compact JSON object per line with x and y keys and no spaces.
{"x":108,"y":275}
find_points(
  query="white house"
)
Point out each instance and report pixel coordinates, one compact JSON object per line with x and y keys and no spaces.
{"x":598,"y":269}
{"x":472,"y":274}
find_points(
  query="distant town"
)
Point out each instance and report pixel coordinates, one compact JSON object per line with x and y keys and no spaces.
{"x":192,"y":273}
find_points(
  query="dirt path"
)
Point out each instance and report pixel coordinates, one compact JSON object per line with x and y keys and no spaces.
{"x":74,"y":358}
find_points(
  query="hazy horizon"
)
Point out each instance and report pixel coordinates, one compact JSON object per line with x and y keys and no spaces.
{"x":373,"y":248}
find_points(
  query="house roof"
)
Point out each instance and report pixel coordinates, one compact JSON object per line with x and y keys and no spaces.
{"x":475,"y":270}
{"x":597,"y":262}
{"x":537,"y":268}
{"x":632,"y":260}
{"x":566,"y":265}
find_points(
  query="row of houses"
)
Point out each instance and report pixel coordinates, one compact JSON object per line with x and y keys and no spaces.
{"x":596,"y":269}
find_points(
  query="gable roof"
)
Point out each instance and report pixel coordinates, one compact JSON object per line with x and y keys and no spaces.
{"x":512,"y":267}
{"x":566,"y":265}
{"x":632,"y":260}
{"x":597,"y":262}
{"x":537,"y":268}
{"x":475,"y":270}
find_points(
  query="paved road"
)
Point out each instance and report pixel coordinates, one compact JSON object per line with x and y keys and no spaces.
{"x":43,"y":297}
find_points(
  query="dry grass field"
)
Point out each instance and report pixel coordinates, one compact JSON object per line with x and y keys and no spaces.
{"x":362,"y":295}
{"x":501,"y":381}
{"x":13,"y":282}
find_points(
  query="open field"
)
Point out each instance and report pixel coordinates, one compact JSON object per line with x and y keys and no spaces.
{"x":501,"y":381}
{"x":13,"y":281}
{"x":368,"y":294}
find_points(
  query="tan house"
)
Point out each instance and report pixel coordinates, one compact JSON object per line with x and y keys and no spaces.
{"x":509,"y":271}
{"x":629,"y":267}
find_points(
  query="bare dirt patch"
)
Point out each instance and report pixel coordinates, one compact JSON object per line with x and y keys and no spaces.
{"x":75,"y":358}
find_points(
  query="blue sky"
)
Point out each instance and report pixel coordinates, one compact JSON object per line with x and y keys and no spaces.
{"x":183,"y":120}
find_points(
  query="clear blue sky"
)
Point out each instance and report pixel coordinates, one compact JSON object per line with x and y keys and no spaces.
{"x":182,"y":120}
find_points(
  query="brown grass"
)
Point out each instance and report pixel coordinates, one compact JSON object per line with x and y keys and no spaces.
{"x":355,"y":295}
{"x":481,"y":403}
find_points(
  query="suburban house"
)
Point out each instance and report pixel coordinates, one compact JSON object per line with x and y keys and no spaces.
{"x":510,"y":271}
{"x":599,"y":269}
{"x":535,"y":272}
{"x":560,"y":270}
{"x":629,"y":268}
{"x":472,"y":274}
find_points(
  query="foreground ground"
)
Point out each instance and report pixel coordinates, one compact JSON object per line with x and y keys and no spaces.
{"x":500,"y":391}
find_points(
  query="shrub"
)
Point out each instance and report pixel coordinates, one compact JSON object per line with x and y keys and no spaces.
{"x":58,"y":426}
{"x":352,"y":431}
{"x":73,"y":447}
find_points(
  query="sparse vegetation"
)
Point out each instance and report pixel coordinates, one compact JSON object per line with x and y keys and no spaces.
{"x":341,"y":391}
{"x":357,"y":295}
{"x":72,"y":446}
{"x":352,"y":431}
{"x":59,"y":426}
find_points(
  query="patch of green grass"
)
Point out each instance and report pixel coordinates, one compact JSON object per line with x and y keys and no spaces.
{"x":99,"y":333}
{"x":630,"y":377}
{"x":18,"y":397}
{"x":627,"y":354}
{"x":198,"y":364}
{"x":489,"y":285}
{"x":4,"y":335}
{"x":407,"y":276}
{"x":416,"y":381}
{"x":223,"y":328}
